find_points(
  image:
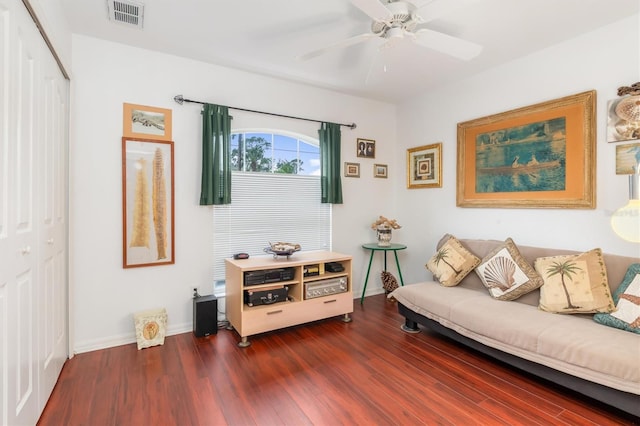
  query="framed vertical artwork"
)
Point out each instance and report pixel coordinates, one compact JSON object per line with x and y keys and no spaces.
{"x":539,"y":156}
{"x":366,"y":148}
{"x":380,"y":171}
{"x":147,"y":202}
{"x":141,"y":121}
{"x":352,"y":170}
{"x":424,"y":166}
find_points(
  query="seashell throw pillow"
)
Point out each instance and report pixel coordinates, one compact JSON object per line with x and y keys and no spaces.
{"x":506,"y":274}
{"x":627,"y":300}
{"x":452,"y":262}
{"x":574,"y":283}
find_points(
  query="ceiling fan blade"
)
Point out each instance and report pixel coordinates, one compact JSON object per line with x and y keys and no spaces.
{"x":456,"y":47}
{"x":343,"y":43}
{"x":374,"y":9}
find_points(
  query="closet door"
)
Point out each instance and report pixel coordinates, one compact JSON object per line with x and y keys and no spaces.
{"x":33,"y":277}
{"x":52,"y":226}
{"x":21,"y":270}
{"x":7,"y":253}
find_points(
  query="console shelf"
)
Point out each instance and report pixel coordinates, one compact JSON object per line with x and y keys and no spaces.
{"x":250,"y":320}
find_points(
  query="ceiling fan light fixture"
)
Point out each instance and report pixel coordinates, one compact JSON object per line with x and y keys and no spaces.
{"x":394,"y":33}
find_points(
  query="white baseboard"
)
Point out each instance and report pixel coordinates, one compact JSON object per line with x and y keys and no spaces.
{"x":125,"y":339}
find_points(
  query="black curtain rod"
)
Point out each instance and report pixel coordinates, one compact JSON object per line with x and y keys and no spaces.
{"x":180,"y":99}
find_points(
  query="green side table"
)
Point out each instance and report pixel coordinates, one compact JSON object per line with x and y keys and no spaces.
{"x":374,"y":247}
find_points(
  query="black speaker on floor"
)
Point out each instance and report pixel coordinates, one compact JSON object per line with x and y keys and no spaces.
{"x":205,"y":315}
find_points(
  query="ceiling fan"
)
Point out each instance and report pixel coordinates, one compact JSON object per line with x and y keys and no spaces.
{"x":397,"y":20}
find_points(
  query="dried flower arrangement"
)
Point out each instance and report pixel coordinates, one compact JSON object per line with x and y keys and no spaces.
{"x":383,"y":221}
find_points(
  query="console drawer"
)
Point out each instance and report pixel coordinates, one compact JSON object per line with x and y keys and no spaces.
{"x":266,"y":318}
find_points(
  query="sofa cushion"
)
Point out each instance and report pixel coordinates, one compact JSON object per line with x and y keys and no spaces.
{"x":452,"y":262}
{"x":574,"y":283}
{"x":506,"y":274}
{"x":627,"y":300}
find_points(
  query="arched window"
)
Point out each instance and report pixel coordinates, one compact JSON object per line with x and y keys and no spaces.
{"x":275,"y":196}
{"x":271,"y":152}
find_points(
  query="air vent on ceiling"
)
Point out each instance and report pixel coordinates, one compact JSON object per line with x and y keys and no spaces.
{"x":126,"y":12}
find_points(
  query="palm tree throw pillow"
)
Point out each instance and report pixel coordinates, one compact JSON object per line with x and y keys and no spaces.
{"x":574,"y":284}
{"x":452,"y":262}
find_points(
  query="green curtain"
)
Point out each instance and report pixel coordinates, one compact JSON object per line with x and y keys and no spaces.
{"x":330,"y":182}
{"x":216,"y":155}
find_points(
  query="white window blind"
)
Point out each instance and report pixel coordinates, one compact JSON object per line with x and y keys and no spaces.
{"x":269,"y":207}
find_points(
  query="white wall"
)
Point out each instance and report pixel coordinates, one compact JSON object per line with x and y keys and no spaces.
{"x":602,"y":60}
{"x":107,"y":74}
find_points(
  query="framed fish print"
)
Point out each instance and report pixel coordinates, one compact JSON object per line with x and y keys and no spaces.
{"x":539,"y":156}
{"x":147,"y":203}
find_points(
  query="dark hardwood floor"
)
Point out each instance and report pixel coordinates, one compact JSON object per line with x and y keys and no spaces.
{"x":323,"y":373}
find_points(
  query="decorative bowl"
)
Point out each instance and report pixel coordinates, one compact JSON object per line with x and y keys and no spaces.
{"x":282,"y":249}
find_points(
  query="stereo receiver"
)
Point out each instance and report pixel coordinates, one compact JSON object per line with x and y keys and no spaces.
{"x":325,"y":287}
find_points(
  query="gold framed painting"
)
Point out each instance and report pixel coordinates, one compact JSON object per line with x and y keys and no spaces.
{"x":147,"y":203}
{"x":539,"y":156}
{"x":142,"y":121}
{"x":424,"y":166}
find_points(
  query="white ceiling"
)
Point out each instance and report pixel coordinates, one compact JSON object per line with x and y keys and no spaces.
{"x":266,"y":37}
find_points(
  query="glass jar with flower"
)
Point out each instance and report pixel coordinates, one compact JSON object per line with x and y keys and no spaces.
{"x":384,"y":228}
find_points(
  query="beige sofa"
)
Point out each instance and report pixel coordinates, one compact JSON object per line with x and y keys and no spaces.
{"x":570,"y":350}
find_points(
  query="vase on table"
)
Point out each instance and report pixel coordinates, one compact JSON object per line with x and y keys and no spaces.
{"x":384,"y":235}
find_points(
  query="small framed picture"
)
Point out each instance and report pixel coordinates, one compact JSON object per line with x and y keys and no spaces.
{"x":424,"y":166}
{"x":366,"y":148}
{"x":622,"y":124}
{"x":352,"y":170}
{"x":626,"y":158}
{"x":141,"y":121}
{"x":380,"y":170}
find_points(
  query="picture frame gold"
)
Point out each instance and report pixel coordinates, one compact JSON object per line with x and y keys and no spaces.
{"x":366,"y":148}
{"x":380,"y":171}
{"x":147,"y":203}
{"x":539,"y":156}
{"x":424,"y":166}
{"x":352,"y":170}
{"x":142,"y":121}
